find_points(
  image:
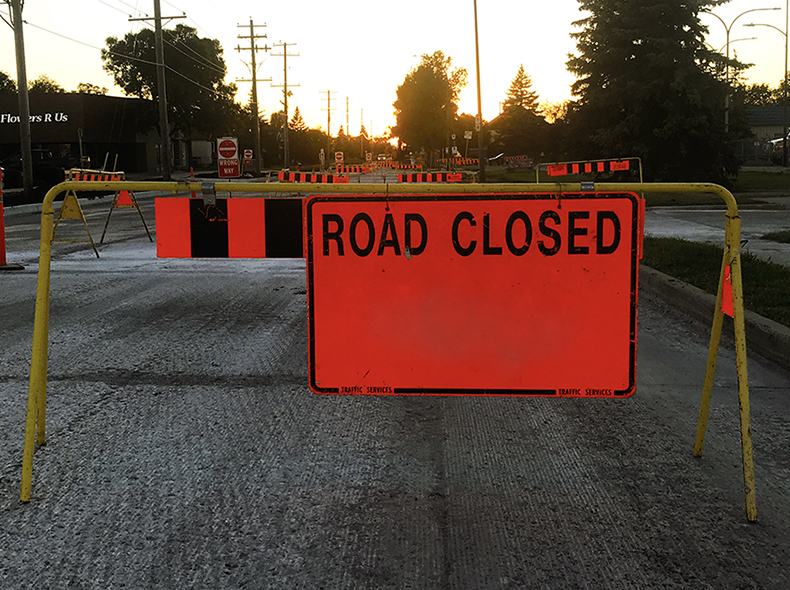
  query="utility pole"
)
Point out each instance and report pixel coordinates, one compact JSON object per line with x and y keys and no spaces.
{"x":348,"y":129}
{"x":328,"y":110}
{"x":285,"y":55}
{"x":256,"y":123}
{"x":161,"y":88}
{"x":24,"y":104}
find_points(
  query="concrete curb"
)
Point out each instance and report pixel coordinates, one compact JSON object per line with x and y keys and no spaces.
{"x":766,"y":337}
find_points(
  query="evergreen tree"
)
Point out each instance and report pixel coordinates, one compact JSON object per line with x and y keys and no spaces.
{"x":520,"y":93}
{"x":297,"y":122}
{"x":647,"y":87}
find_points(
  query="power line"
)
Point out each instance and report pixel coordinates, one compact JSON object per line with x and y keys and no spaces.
{"x":129,"y":57}
{"x":125,"y":4}
{"x":111,"y":6}
{"x":153,"y":63}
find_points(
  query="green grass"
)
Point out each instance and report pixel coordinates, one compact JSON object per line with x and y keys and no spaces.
{"x":755,"y":181}
{"x":778,"y":236}
{"x":766,"y":285}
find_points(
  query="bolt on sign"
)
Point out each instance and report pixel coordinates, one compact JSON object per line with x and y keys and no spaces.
{"x":527,"y":295}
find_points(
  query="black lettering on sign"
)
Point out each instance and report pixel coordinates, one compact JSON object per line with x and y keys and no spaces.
{"x":511,"y":221}
{"x":335,"y":235}
{"x":388,"y":242}
{"x":488,"y":249}
{"x":574,"y":231}
{"x":549,"y":233}
{"x":407,"y":220}
{"x":463,"y":216}
{"x":600,"y":248}
{"x":362,"y":217}
{"x":333,"y":229}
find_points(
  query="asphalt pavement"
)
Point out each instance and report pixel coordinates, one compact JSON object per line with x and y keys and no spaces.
{"x":185,"y":450}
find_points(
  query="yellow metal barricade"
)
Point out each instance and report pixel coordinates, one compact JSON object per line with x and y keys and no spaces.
{"x":36,"y":406}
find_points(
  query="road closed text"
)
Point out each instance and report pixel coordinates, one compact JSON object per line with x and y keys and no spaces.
{"x":550,"y":232}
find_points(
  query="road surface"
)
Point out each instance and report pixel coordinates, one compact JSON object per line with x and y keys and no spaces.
{"x":185,"y":450}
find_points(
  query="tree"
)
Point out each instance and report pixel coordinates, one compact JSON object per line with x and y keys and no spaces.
{"x":198,"y":98}
{"x":427,"y":102}
{"x":297,"y":122}
{"x":44,"y":85}
{"x":88,"y":88}
{"x":520,"y":93}
{"x":7,"y":84}
{"x":522,"y":131}
{"x":647,"y":86}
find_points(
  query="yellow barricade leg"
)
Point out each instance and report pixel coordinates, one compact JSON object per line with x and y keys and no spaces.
{"x":733,"y":248}
{"x":713,"y":355}
{"x":37,"y":392}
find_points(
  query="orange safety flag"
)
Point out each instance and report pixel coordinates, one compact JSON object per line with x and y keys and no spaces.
{"x":727,"y":306}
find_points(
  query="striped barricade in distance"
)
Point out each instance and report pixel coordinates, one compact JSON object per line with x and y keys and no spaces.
{"x":231,"y":228}
{"x":566,"y":169}
{"x":352,"y":169}
{"x":311,"y":177}
{"x":431,"y":177}
{"x":80,"y":175}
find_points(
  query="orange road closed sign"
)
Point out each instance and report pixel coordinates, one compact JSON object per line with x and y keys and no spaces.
{"x":528,"y":295}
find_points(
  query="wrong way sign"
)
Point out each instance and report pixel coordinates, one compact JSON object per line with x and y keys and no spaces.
{"x":228,"y":157}
{"x":473,"y":295}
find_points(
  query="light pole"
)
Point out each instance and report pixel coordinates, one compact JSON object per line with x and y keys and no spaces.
{"x":728,"y":28}
{"x":784,"y":83}
{"x":481,"y":155}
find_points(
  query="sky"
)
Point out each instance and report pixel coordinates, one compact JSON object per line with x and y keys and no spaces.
{"x":361,"y":51}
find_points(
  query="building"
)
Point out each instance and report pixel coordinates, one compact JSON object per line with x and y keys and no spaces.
{"x":115,"y":133}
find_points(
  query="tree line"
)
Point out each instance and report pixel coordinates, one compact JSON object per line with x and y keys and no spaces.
{"x":647,"y":86}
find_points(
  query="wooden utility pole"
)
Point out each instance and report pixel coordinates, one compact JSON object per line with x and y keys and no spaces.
{"x":24,"y":103}
{"x":328,"y":110}
{"x":256,"y":123}
{"x":284,"y":86}
{"x":161,"y":88}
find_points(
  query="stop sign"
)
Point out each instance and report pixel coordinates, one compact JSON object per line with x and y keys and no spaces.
{"x":228,"y":148}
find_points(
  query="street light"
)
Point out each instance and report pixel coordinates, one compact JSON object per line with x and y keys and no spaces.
{"x":784,"y":85}
{"x":479,"y":120}
{"x":728,"y":28}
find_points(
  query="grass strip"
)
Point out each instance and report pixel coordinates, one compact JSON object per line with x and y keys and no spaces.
{"x":766,"y":285}
{"x":778,"y":236}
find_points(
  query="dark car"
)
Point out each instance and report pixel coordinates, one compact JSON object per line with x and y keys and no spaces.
{"x":48,"y":170}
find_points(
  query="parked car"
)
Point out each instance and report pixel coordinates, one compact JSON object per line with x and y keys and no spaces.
{"x":774,"y":149}
{"x":48,"y":170}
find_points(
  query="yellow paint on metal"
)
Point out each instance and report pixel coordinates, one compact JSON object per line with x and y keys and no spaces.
{"x":36,"y":410}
